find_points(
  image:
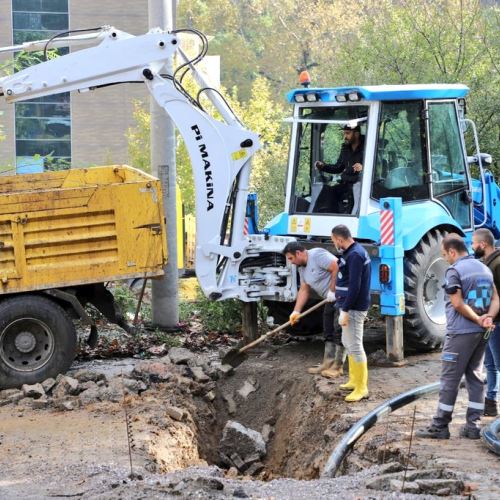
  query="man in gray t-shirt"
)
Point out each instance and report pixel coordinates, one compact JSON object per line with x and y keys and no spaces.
{"x":471,"y":304}
{"x":318,"y":271}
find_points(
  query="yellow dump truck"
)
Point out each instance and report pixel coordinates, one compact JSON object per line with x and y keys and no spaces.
{"x":62,"y":236}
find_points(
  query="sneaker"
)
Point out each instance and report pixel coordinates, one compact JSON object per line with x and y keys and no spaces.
{"x":433,"y":432}
{"x":490,"y":408}
{"x":470,"y":432}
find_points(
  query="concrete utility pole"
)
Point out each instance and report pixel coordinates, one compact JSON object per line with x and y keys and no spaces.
{"x":165,"y":300}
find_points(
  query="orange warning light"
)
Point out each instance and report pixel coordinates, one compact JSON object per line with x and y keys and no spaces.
{"x":304,"y":78}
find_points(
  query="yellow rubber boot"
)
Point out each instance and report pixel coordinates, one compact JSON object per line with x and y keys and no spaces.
{"x":360,"y":381}
{"x":349,"y":385}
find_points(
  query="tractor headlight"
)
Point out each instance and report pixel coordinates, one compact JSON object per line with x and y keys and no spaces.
{"x":341,"y":98}
{"x":354,"y":96}
{"x":300,"y":98}
{"x":311,"y":97}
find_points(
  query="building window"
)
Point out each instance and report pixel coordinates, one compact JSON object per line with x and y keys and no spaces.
{"x":43,"y":125}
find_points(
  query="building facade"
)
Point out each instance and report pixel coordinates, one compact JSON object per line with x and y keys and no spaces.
{"x":78,"y":129}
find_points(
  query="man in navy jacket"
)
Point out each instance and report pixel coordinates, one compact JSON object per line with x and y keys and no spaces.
{"x":353,"y":300}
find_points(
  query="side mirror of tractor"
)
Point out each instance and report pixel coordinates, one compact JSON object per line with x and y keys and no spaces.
{"x":486,"y":159}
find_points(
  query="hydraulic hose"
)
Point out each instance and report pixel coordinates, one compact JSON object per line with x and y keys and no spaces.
{"x":369,"y":420}
{"x":491,"y":436}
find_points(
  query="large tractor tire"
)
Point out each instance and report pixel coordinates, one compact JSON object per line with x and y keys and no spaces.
{"x":425,"y":319}
{"x":37,"y":340}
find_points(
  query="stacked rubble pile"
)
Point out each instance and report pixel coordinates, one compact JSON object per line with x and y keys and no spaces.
{"x":84,"y":387}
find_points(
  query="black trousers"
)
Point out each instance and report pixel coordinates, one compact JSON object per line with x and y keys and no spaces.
{"x":331,"y":327}
{"x":331,"y":198}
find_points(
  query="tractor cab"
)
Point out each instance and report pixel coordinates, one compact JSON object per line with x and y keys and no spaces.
{"x":411,"y":148}
{"x":411,"y":145}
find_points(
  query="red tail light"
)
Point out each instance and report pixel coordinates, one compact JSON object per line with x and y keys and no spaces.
{"x":384,"y":273}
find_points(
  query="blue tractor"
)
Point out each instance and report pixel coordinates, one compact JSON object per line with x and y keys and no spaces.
{"x":415,"y":162}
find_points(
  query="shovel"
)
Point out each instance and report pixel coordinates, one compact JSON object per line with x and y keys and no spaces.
{"x":236,"y":356}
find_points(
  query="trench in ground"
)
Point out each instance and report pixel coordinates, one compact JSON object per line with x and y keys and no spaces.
{"x":308,"y":415}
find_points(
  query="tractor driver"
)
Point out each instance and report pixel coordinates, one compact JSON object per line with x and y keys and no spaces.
{"x":349,"y":165}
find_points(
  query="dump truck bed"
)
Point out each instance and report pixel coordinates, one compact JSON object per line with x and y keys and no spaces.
{"x":79,"y":226}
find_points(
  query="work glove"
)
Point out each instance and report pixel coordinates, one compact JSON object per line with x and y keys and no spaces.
{"x":294,"y":318}
{"x":343,"y":318}
{"x":330,"y":296}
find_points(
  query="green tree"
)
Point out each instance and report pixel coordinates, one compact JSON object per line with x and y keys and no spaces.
{"x":139,"y":152}
{"x":433,"y":41}
{"x":268,"y":178}
{"x":366,"y":42}
{"x":265,"y":43}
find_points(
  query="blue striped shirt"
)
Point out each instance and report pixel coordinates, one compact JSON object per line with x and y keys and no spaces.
{"x":353,"y":279}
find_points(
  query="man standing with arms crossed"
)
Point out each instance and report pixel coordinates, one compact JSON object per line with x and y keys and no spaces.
{"x":318,"y":270}
{"x":353,"y":301}
{"x":471,"y":304}
{"x":483,"y":244}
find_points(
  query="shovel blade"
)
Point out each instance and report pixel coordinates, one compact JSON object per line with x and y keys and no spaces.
{"x":234,"y":358}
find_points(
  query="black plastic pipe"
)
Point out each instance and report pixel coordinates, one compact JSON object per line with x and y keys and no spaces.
{"x":369,"y":420}
{"x":491,"y":436}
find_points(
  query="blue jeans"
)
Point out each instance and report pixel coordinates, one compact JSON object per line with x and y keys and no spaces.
{"x":492,"y":364}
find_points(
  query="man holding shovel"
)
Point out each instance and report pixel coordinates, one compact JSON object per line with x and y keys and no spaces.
{"x":318,"y":271}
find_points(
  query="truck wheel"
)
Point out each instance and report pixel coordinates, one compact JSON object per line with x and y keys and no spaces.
{"x":37,"y":340}
{"x":425,"y":319}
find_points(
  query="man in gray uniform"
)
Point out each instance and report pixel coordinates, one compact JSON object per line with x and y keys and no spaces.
{"x":471,"y":304}
{"x":318,"y":271}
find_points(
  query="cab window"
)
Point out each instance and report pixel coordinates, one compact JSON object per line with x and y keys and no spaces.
{"x":400,"y":162}
{"x":447,"y":159}
{"x":320,"y":138}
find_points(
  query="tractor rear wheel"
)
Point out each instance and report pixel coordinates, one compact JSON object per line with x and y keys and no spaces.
{"x":37,"y":340}
{"x":425,"y":319}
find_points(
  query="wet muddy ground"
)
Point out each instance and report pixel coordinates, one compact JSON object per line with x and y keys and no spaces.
{"x":50,"y":453}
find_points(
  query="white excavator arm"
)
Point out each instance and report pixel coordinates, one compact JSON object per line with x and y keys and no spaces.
{"x":229,"y":264}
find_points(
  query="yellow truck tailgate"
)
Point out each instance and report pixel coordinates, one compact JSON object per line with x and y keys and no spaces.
{"x":79,"y":226}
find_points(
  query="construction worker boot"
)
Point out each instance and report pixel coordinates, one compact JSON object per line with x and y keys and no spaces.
{"x":360,"y":382}
{"x":349,"y":385}
{"x":470,"y":432}
{"x":490,"y":408}
{"x":328,"y":360}
{"x":337,"y":368}
{"x":433,"y":432}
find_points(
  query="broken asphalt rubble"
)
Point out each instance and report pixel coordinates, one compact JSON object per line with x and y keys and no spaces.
{"x":242,"y":448}
{"x":84,"y":387}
